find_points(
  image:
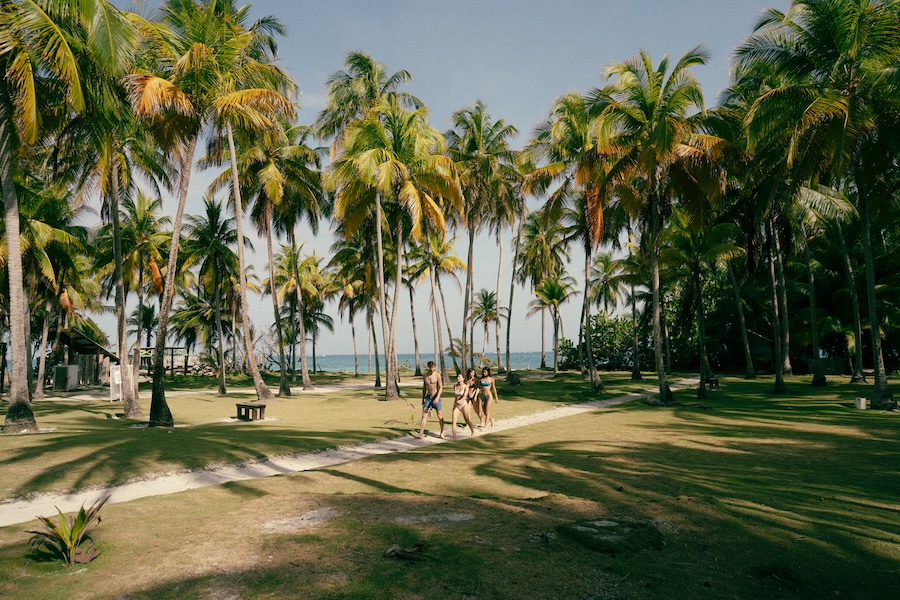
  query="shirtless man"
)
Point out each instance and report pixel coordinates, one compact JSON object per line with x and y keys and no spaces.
{"x":432,"y":386}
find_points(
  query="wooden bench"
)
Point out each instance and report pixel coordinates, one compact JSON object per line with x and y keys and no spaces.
{"x":251,"y":411}
{"x":713,"y":383}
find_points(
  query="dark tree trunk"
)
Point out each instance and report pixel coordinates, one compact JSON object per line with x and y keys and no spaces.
{"x":750,"y":370}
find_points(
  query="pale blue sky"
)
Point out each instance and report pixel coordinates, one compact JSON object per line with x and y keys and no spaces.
{"x":516,"y":57}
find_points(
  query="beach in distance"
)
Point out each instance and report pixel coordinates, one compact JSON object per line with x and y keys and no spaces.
{"x":344,"y":362}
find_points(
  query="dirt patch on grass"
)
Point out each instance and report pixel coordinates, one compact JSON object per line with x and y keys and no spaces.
{"x":308,"y":519}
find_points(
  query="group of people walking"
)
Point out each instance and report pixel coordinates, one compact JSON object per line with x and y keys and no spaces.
{"x":471,"y":393}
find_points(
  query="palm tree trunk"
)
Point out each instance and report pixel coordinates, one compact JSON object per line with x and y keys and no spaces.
{"x":436,"y":330}
{"x":635,"y":352}
{"x":130,"y":407}
{"x":780,"y":387}
{"x":543,"y":341}
{"x":412,"y":315}
{"x":750,"y":370}
{"x":217,"y":301}
{"x":512,"y":289}
{"x":382,"y":307}
{"x":882,"y":396}
{"x":456,"y":367}
{"x":701,"y":340}
{"x":263,"y":393}
{"x":160,"y":415}
{"x":140,"y":320}
{"x":293,"y":318}
{"x":857,"y":367}
{"x":582,"y":352}
{"x":375,"y":345}
{"x":284,"y":388}
{"x":393,"y":375}
{"x":42,"y":355}
{"x":783,"y":307}
{"x":355,"y":352}
{"x":665,"y":394}
{"x":500,"y":367}
{"x":554,"y":316}
{"x":597,"y":386}
{"x":818,"y":379}
{"x":301,"y":326}
{"x":470,"y":276}
{"x":19,"y":416}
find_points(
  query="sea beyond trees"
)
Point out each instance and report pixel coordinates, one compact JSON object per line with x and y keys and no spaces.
{"x":755,"y":232}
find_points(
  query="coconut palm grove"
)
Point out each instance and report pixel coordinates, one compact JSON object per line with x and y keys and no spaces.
{"x":755,"y":234}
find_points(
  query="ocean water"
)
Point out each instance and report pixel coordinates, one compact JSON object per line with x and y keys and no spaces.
{"x":344,"y":362}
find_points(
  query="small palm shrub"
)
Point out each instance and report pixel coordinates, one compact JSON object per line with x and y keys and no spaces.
{"x":63,"y":538}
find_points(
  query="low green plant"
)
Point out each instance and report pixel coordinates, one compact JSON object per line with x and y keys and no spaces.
{"x":63,"y":538}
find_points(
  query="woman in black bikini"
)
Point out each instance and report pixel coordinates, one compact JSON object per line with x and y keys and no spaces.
{"x":474,"y":401}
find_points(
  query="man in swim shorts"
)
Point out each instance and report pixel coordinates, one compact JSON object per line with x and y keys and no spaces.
{"x":432,"y":386}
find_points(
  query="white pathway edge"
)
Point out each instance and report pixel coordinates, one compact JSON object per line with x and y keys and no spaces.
{"x":22,"y":511}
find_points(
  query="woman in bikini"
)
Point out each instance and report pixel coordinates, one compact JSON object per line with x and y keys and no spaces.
{"x":488,"y":397}
{"x":474,"y":400}
{"x":461,"y":405}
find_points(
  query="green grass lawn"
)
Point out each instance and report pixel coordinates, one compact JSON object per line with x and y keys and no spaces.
{"x":757,"y":496}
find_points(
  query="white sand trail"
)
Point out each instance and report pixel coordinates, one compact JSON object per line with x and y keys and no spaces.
{"x":21,"y":511}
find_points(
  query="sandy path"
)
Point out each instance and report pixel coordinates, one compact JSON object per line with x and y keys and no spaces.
{"x":22,"y":511}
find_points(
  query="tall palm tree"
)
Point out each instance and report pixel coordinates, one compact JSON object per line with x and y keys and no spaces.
{"x":209,"y":244}
{"x":393,"y":157}
{"x":571,"y":153}
{"x":44,"y":44}
{"x":281,"y":174}
{"x":205,"y":66}
{"x":649,"y":110}
{"x":837,"y":104}
{"x":479,"y":146}
{"x":356,"y":91}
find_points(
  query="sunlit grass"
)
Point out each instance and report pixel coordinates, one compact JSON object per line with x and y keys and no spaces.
{"x":757,"y":496}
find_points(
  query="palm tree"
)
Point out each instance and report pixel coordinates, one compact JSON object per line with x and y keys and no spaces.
{"x":608,"y":285}
{"x":541,"y":256}
{"x":836,"y":104}
{"x":352,"y":263}
{"x":353,"y":93}
{"x":393,"y":156}
{"x":53,"y":251}
{"x":485,"y":309}
{"x":45,"y":43}
{"x":648,"y":109}
{"x":480,"y":148}
{"x":205,"y":66}
{"x":209,"y":243}
{"x":442,"y":260}
{"x":572,"y":154}
{"x":550,"y":294}
{"x":690,"y":253}
{"x":280,"y":172}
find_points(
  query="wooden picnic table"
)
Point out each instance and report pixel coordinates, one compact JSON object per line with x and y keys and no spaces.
{"x":251,"y":411}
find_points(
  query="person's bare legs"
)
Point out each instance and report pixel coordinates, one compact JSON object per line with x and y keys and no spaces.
{"x":441,"y":421}
{"x":488,"y":419}
{"x":465,"y":413}
{"x":422,"y":426}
